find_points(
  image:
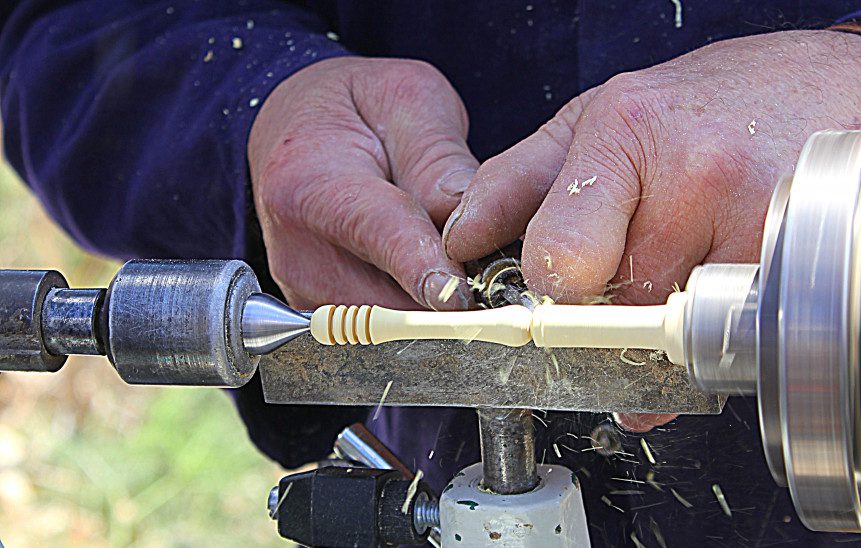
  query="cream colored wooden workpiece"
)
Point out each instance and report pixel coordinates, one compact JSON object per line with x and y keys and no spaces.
{"x":332,"y":324}
{"x":658,"y":327}
{"x":549,"y":326}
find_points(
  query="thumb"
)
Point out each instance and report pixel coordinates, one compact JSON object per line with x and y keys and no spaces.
{"x":574,"y":244}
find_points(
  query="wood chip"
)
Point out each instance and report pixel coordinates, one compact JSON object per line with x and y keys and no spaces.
{"x":411,"y":492}
{"x":448,"y":289}
{"x":681,"y":499}
{"x":647,"y":450}
{"x":609,"y":503}
{"x":627,"y":360}
{"x":721,"y":499}
{"x":678,"y":18}
{"x":382,"y":399}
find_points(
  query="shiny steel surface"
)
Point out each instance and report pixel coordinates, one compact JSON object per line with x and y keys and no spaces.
{"x":267,"y":324}
{"x":356,"y":443}
{"x":768,"y":386}
{"x":507,"y":450}
{"x":70,"y":321}
{"x":22,"y":296}
{"x":817,"y":324}
{"x":179,"y":322}
{"x":721,"y":328}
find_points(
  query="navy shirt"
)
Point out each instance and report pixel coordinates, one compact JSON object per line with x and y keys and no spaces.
{"x":129,"y":120}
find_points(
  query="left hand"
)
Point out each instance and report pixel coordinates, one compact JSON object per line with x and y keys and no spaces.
{"x":660,"y":169}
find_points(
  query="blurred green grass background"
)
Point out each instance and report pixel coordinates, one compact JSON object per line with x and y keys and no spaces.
{"x":86,"y":460}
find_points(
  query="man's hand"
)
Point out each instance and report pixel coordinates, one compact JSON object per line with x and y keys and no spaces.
{"x":639,"y":180}
{"x":356,"y":164}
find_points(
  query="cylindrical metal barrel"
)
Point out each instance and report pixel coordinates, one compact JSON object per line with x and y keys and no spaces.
{"x":721,"y":328}
{"x":179,"y":322}
{"x":71,"y":321}
{"x":22,"y":295}
{"x":507,"y":450}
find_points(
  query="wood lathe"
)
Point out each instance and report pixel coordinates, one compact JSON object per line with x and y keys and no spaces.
{"x":786,"y":329}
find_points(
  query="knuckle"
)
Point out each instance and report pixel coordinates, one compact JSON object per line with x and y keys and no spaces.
{"x":412,"y":80}
{"x":559,"y":130}
{"x":431,"y":153}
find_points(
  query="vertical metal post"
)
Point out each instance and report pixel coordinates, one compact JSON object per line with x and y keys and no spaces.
{"x":507,"y":450}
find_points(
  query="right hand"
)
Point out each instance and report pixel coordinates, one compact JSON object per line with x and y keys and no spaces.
{"x":355,"y":166}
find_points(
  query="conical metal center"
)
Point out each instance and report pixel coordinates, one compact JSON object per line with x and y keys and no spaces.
{"x":267,"y":324}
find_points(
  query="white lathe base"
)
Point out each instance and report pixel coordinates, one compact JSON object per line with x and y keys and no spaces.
{"x":551,"y":515}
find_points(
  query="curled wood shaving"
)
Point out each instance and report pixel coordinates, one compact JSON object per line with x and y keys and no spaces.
{"x":627,"y":360}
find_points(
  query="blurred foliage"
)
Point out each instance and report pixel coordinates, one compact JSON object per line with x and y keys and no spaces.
{"x":86,"y":460}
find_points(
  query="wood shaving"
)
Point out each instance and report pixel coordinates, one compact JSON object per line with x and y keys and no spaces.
{"x":475,"y":283}
{"x":676,"y":287}
{"x":411,"y":492}
{"x":751,"y":127}
{"x":382,"y":399}
{"x":647,"y":450}
{"x":548,"y":260}
{"x":629,"y":480}
{"x":627,"y":360}
{"x":576,"y":187}
{"x":650,"y":479}
{"x":274,"y":511}
{"x":721,"y":499}
{"x":208,"y":57}
{"x":609,"y":503}
{"x":598,"y":299}
{"x":657,"y":532}
{"x":636,"y":540}
{"x":557,"y":451}
{"x":448,"y":289}
{"x":678,"y":18}
{"x":647,"y":285}
{"x":681,"y":499}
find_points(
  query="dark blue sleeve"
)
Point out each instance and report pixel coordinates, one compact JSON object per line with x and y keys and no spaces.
{"x":854,"y":16}
{"x":129,"y":120}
